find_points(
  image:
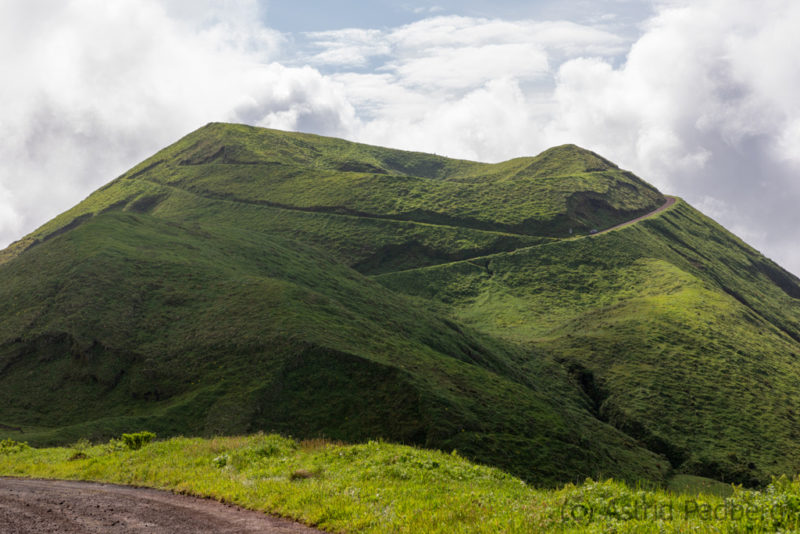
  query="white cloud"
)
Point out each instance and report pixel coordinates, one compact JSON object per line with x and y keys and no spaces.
{"x":427,"y":10}
{"x":456,"y":52}
{"x":10,"y":219}
{"x":302,"y":99}
{"x":455,"y":31}
{"x":788,"y":142}
{"x":457,"y":68}
{"x":91,"y":87}
{"x":349,"y":47}
{"x":380,"y":97}
{"x":466,"y":87}
{"x":485,"y":124}
{"x":704,"y":106}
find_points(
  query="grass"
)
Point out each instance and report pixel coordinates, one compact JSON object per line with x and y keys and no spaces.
{"x":246,"y":279}
{"x":679,"y":338}
{"x":694,"y":485}
{"x":309,"y":173}
{"x":160,"y":332}
{"x":382,"y":487}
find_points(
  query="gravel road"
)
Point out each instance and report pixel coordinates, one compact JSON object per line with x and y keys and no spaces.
{"x":65,"y":507}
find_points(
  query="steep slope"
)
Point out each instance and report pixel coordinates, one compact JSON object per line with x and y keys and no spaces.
{"x":245,"y":279}
{"x":158,"y":303}
{"x":689,"y":336}
{"x":131,"y":321}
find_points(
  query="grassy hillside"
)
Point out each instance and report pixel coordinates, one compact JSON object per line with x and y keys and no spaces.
{"x":246,"y":279}
{"x":443,"y":207}
{"x":678,"y":330}
{"x":131,"y":320}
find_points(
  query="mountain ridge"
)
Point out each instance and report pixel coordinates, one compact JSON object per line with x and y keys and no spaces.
{"x":247,"y":279}
{"x":210,"y":139}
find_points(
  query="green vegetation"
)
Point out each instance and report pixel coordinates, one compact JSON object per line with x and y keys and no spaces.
{"x":137,"y":440}
{"x":246,"y":279}
{"x":223,"y":172}
{"x":676,"y":333}
{"x":381,"y":487}
{"x":9,"y":446}
{"x":182,"y":330}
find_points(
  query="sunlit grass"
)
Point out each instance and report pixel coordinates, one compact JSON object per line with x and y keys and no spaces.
{"x":380,"y":487}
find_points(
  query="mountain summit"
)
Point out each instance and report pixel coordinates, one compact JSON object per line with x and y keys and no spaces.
{"x":247,"y":279}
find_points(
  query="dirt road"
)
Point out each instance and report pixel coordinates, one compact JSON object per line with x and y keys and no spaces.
{"x":50,"y":506}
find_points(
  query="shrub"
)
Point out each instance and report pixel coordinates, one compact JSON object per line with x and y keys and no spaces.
{"x":79,"y":449}
{"x":114,"y":445}
{"x":81,"y":445}
{"x":221,"y":461}
{"x":9,"y":446}
{"x":137,"y":440}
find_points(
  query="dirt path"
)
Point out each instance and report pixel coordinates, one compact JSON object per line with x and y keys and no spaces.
{"x":670,"y":201}
{"x":65,"y":507}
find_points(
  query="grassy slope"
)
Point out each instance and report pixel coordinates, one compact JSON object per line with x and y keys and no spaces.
{"x":510,"y":202}
{"x":381,"y":487}
{"x":131,"y":320}
{"x":680,"y":333}
{"x":208,"y":290}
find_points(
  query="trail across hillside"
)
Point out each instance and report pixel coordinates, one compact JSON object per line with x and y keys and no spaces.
{"x":670,"y":201}
{"x":66,"y":507}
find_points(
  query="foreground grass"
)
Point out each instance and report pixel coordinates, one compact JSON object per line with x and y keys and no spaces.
{"x":381,"y":487}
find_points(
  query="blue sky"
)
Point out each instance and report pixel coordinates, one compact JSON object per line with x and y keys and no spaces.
{"x":310,"y":15}
{"x":697,"y":97}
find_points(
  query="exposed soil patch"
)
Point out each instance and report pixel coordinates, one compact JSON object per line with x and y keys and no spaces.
{"x":38,"y":506}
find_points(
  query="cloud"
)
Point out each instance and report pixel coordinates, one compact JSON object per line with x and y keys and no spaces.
{"x":10,"y":219}
{"x":275,"y":96}
{"x":485,"y":124}
{"x":455,"y":52}
{"x":454,"y":68}
{"x":427,"y":10}
{"x":463,"y":86}
{"x":704,"y":106}
{"x":348,"y":48}
{"x":92,"y":87}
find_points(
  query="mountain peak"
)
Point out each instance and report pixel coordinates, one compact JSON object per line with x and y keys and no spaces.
{"x":563,"y":190}
{"x":249,"y":279}
{"x":570,"y":159}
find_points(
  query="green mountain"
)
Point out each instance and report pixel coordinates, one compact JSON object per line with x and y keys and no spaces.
{"x":247,"y":279}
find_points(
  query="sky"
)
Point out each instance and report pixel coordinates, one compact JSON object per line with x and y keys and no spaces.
{"x":698,"y":98}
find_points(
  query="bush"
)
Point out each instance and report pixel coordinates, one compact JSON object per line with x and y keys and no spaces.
{"x":81,"y":445}
{"x":114,"y":445}
{"x":79,"y":449}
{"x":9,"y":446}
{"x":137,"y":440}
